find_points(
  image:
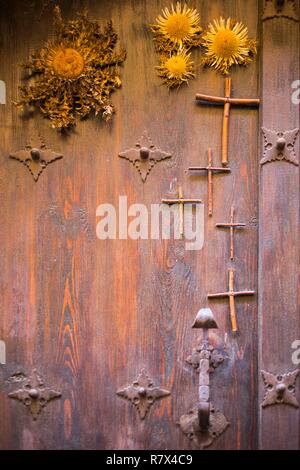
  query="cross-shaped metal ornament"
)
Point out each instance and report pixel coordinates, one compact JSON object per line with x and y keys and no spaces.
{"x":227,"y":101}
{"x":142,"y":393}
{"x":232,"y":225}
{"x":231,"y":294}
{"x":210,"y":170}
{"x":36,"y":159}
{"x":181,"y":201}
{"x":280,"y":146}
{"x":280,"y":8}
{"x":144,"y":155}
{"x":280,"y":388}
{"x":34,"y":394}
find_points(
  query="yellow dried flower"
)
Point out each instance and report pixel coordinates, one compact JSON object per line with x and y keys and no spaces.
{"x":66,"y":62}
{"x":177,"y":27}
{"x":75,"y":74}
{"x":176,"y":69}
{"x":227,"y":43}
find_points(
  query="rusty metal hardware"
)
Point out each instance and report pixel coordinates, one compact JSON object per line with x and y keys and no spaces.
{"x":181,"y":201}
{"x":280,"y":389}
{"x":280,"y":8}
{"x":203,"y":424}
{"x":231,"y":294}
{"x":232,"y":225}
{"x":34,"y":394}
{"x":142,"y":393}
{"x":227,"y":101}
{"x":210,"y":170}
{"x":144,"y":155}
{"x":279,"y":145}
{"x":36,"y":159}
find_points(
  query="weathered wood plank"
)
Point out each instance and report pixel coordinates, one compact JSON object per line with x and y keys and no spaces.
{"x":279,"y":231}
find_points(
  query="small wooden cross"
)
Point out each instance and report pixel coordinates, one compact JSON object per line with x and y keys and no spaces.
{"x":231,"y":294}
{"x":232,"y":226}
{"x":181,"y":202}
{"x":227,"y":101}
{"x":210,"y":169}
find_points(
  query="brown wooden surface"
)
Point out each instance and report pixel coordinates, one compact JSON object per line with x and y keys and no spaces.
{"x":279,"y":231}
{"x":90,"y":314}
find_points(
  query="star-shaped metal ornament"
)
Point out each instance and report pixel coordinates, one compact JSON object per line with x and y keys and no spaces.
{"x":34,"y":394}
{"x":279,"y":146}
{"x":280,"y":8}
{"x":142,"y":393}
{"x":280,"y":389}
{"x":144,"y":155}
{"x":36,"y":159}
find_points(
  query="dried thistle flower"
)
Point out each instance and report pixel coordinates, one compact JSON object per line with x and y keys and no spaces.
{"x":227,"y":43}
{"x":176,"y":69}
{"x":176,"y":31}
{"x":74,"y":74}
{"x":176,"y":28}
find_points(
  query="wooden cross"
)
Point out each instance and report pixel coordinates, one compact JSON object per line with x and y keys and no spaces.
{"x":231,"y":294}
{"x":210,"y":169}
{"x":232,"y":226}
{"x":227,"y":101}
{"x":181,"y":202}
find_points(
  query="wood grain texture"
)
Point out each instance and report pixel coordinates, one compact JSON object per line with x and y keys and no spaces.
{"x":279,"y":231}
{"x":90,"y":314}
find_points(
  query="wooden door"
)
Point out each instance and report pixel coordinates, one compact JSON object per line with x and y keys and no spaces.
{"x":90,"y":314}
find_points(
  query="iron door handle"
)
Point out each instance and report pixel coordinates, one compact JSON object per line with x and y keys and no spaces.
{"x":203,"y":424}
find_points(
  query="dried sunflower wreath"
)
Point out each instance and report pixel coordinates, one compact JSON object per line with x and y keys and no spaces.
{"x":176,"y":31}
{"x":75,"y":74}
